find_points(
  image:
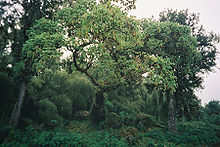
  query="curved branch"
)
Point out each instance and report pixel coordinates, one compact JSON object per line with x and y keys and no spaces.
{"x":86,"y":72}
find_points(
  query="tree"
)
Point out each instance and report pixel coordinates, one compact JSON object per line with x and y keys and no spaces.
{"x":8,"y":20}
{"x":103,"y":42}
{"x":171,"y":40}
{"x":213,"y":107}
{"x":128,"y":4}
{"x":187,"y":103}
{"x":18,"y":23}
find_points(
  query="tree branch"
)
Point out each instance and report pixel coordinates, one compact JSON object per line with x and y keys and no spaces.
{"x":85,"y":71}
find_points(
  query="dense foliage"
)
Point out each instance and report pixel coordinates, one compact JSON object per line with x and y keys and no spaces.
{"x":85,"y":73}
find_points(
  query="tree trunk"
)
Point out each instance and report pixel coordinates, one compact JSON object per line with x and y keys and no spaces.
{"x":98,"y":110}
{"x":171,"y":114}
{"x":18,"y":105}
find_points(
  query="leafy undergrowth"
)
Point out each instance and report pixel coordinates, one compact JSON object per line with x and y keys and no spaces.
{"x":83,"y":133}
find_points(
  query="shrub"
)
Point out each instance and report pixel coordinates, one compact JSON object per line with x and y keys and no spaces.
{"x":4,"y":131}
{"x":48,"y":112}
{"x":59,"y":137}
{"x":68,"y":92}
{"x":130,"y":135}
{"x":64,"y":105}
{"x":81,"y":93}
{"x":196,"y":133}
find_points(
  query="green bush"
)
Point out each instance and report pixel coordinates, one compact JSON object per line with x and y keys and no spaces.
{"x":48,"y":113}
{"x":196,"y":133}
{"x":214,"y":119}
{"x":68,"y":92}
{"x":64,"y":105}
{"x":59,"y":137}
{"x":213,"y":107}
{"x":81,"y":93}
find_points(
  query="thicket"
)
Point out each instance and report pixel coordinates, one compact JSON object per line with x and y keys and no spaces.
{"x":56,"y":95}
{"x":128,"y":121}
{"x":196,"y":133}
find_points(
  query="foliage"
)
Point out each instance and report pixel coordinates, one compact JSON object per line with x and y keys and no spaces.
{"x":60,"y":137}
{"x":210,"y":113}
{"x":187,"y":103}
{"x":127,"y":104}
{"x":48,"y":113}
{"x":99,"y":49}
{"x":190,"y":134}
{"x":64,"y":105}
{"x":130,"y":135}
{"x":128,"y":4}
{"x":6,"y":95}
{"x":39,"y":53}
{"x":198,"y":133}
{"x":68,"y":93}
{"x":156,"y":105}
{"x":112,"y":121}
{"x":213,"y":107}
{"x":137,"y":99}
{"x":140,"y":120}
{"x":135,"y":62}
{"x":4,"y":131}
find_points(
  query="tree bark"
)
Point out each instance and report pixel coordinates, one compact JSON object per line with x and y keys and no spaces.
{"x":98,"y":110}
{"x":18,"y":105}
{"x":171,"y":114}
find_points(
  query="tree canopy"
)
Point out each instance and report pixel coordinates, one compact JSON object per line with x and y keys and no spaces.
{"x":103,"y":41}
{"x":197,"y":63}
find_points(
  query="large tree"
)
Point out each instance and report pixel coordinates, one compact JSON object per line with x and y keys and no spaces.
{"x":171,"y":40}
{"x":187,"y":103}
{"x":18,"y":21}
{"x":103,"y":42}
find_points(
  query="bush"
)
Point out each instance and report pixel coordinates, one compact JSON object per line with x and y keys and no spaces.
{"x":81,"y":93}
{"x":129,"y":134}
{"x":214,"y":119}
{"x":59,"y":137}
{"x":213,"y":107}
{"x":68,"y":92}
{"x":64,"y":105}
{"x":196,"y":133}
{"x":141,"y":121}
{"x":4,"y":131}
{"x":48,"y":112}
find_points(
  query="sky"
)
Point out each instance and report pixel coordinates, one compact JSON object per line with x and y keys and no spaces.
{"x":209,"y":11}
